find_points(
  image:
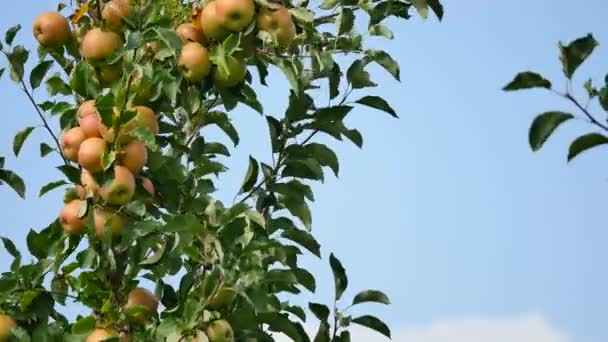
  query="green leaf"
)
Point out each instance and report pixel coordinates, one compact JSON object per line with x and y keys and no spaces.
{"x":306,"y":279}
{"x":371,"y":296}
{"x":302,"y":14}
{"x":385,"y":60}
{"x":334,"y":81}
{"x":299,"y":209}
{"x":527,"y":80}
{"x":14,"y":181}
{"x":323,"y":333}
{"x":329,"y":4}
{"x":575,"y":53}
{"x":251,"y":176}
{"x":45,"y":149}
{"x":39,"y":72}
{"x":340,"y":278}
{"x":324,"y":155}
{"x":10,"y":247}
{"x":544,"y":125}
{"x":222,"y":121}
{"x":71,"y":172}
{"x":281,"y":323}
{"x":374,"y":324}
{"x":308,"y":168}
{"x":17,"y":60}
{"x":84,"y":325}
{"x":437,"y":7}
{"x":422,"y":7}
{"x":50,"y":186}
{"x":105,"y":108}
{"x":345,"y":21}
{"x":320,"y":311}
{"x":20,"y":139}
{"x":381,"y":30}
{"x":231,"y":44}
{"x":146,"y":136}
{"x":170,"y":38}
{"x":11,"y":33}
{"x":290,"y":72}
{"x":55,"y":85}
{"x":586,"y":142}
{"x":357,"y":76}
{"x":377,"y":103}
{"x":603,"y":96}
{"x":2,"y":72}
{"x":84,"y":81}
{"x":295,"y":310}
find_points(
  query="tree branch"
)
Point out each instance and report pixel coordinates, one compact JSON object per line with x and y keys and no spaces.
{"x":586,"y":112}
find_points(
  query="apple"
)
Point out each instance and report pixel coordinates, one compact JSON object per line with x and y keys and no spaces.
{"x":121,"y":189}
{"x":81,"y":192}
{"x":134,"y":156}
{"x":109,"y":74}
{"x":51,"y":29}
{"x":88,"y":119}
{"x":224,"y":297}
{"x":140,"y":297}
{"x":70,"y":219}
{"x":211,"y":23}
{"x":114,"y":12}
{"x":90,"y":153}
{"x":98,"y":45}
{"x":99,"y":335}
{"x":71,"y":141}
{"x":88,"y":181}
{"x":237,"y":70}
{"x":145,"y":117}
{"x":194,"y":62}
{"x":104,"y":217}
{"x":7,"y":323}
{"x":279,"y":24}
{"x":147,"y":184}
{"x":188,"y":32}
{"x":220,"y":331}
{"x":235,"y":14}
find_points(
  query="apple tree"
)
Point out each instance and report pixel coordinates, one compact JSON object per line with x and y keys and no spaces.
{"x":572,"y":56}
{"x":132,"y":84}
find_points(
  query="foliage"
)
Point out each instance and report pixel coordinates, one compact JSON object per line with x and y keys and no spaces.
{"x":236,"y":263}
{"x":572,"y":56}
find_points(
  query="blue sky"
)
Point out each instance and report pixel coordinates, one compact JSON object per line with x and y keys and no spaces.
{"x":446,"y":209}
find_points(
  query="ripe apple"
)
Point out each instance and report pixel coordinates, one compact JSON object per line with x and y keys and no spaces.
{"x":148,"y":185}
{"x":70,"y":219}
{"x":88,"y":181}
{"x":88,"y":119}
{"x":121,"y":189}
{"x":81,"y":192}
{"x":279,"y":24}
{"x":235,"y":14}
{"x":237,"y":70}
{"x":134,"y":156}
{"x":220,"y":331}
{"x":145,"y":117}
{"x":188,"y":32}
{"x":7,"y":323}
{"x":71,"y":142}
{"x":104,"y":217}
{"x":99,"y":335}
{"x":114,"y":12}
{"x":90,"y":154}
{"x":140,"y":297}
{"x":211,"y":23}
{"x":51,"y":29}
{"x":194,"y":62}
{"x":98,"y":45}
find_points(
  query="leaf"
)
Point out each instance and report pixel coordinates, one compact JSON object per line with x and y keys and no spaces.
{"x":385,"y":60}
{"x":20,"y":139}
{"x":302,"y":14}
{"x":575,"y":53}
{"x":84,"y":325}
{"x":586,"y":142}
{"x":17,"y":60}
{"x":55,"y":85}
{"x":290,"y":72}
{"x":306,"y":279}
{"x":422,"y":7}
{"x":80,"y":13}
{"x":324,"y":155}
{"x":334,"y":81}
{"x":357,"y":76}
{"x":281,"y":323}
{"x":146,"y":136}
{"x":39,"y":72}
{"x":71,"y":172}
{"x":340,"y":278}
{"x":251,"y":176}
{"x":308,"y":168}
{"x":377,"y":103}
{"x":45,"y":149}
{"x":320,"y":311}
{"x":83,"y":80}
{"x":170,"y":38}
{"x":345,"y":21}
{"x":2,"y":72}
{"x":544,"y":125}
{"x":374,"y":324}
{"x":10,"y":247}
{"x":437,"y":7}
{"x":329,"y":4}
{"x":527,"y":80}
{"x":14,"y":181}
{"x":371,"y":296}
{"x":50,"y":186}
{"x":381,"y":30}
{"x":323,"y":333}
{"x":299,"y":209}
{"x":11,"y":33}
{"x":304,"y":239}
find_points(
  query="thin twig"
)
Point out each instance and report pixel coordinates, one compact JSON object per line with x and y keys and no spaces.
{"x":44,"y":122}
{"x":586,"y":112}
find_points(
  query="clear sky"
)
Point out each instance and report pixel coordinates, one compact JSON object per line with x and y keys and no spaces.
{"x":446,"y":209}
